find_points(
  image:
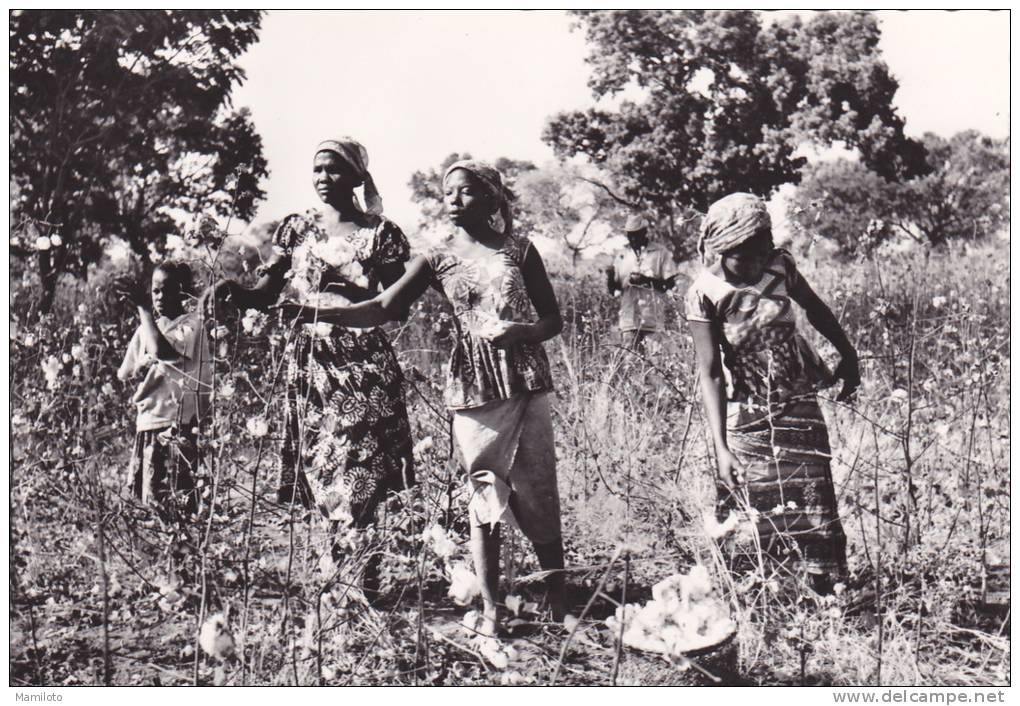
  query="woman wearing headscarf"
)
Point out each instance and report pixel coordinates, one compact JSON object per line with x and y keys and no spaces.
{"x":498,"y":381}
{"x":759,"y":383}
{"x":346,"y":436}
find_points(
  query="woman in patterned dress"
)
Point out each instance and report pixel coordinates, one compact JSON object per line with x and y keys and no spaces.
{"x":347,"y":440}
{"x":498,"y":380}
{"x":771,"y":442}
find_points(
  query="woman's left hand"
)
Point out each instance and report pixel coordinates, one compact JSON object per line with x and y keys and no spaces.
{"x":131,"y":292}
{"x":849,"y":371}
{"x":511,"y":334}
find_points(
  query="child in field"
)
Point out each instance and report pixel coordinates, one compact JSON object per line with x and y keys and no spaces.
{"x":170,"y":348}
{"x":759,"y":382}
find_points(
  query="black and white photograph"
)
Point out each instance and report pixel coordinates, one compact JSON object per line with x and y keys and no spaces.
{"x":506,"y":348}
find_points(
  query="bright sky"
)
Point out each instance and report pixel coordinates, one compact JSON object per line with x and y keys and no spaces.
{"x":416,"y":86}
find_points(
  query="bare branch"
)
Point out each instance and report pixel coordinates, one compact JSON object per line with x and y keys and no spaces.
{"x":612,"y":195}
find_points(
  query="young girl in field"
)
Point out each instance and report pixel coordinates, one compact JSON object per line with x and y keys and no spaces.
{"x":498,"y":380}
{"x":170,"y":349}
{"x":759,"y":380}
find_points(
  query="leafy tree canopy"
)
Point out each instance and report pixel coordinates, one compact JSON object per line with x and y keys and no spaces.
{"x":121,"y":123}
{"x":727,"y":101}
{"x":963,"y":195}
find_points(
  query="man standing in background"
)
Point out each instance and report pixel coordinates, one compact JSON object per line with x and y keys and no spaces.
{"x":642,"y":273}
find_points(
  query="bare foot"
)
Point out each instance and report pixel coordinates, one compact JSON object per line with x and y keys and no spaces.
{"x":556,"y":602}
{"x":490,"y":623}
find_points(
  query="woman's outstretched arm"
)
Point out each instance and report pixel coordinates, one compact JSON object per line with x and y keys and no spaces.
{"x":713,"y":396}
{"x":821,"y":317}
{"x":391,"y":305}
{"x":262,"y":296}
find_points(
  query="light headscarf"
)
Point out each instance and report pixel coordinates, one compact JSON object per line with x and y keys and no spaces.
{"x":492,"y":181}
{"x":355,"y":154}
{"x":730,"y":221}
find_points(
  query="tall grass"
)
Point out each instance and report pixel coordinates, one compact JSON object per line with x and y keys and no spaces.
{"x":101,"y":592}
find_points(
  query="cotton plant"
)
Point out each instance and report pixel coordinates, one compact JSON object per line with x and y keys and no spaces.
{"x":464,"y":585}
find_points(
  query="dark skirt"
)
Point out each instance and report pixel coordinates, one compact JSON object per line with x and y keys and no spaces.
{"x":347,"y":439}
{"x":788,"y":482}
{"x":164,"y":463}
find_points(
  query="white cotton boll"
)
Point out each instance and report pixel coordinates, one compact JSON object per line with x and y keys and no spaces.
{"x":257,"y":427}
{"x":440,"y":541}
{"x":471,"y":622}
{"x":667,"y":589}
{"x":513,"y":604}
{"x":422,"y":446}
{"x":491,"y":650}
{"x":78,"y":352}
{"x":51,"y":369}
{"x":215,"y":639}
{"x":254,"y":322}
{"x":227,"y":390}
{"x":699,"y":583}
{"x":715,"y":529}
{"x":676,"y":624}
{"x":42,"y":243}
{"x":464,"y":585}
{"x":56,"y":241}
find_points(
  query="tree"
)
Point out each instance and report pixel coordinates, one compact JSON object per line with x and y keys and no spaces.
{"x":963,"y":195}
{"x":727,"y":102}
{"x":966,"y":193}
{"x":847,"y":204}
{"x":121,"y":126}
{"x":569,"y":208}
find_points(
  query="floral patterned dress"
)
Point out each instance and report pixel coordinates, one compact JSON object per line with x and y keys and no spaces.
{"x":485,"y":290}
{"x":502,"y":423}
{"x":347,"y":440}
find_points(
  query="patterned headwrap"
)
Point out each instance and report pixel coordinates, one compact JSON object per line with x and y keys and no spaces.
{"x":730,"y":221}
{"x":352,"y":152}
{"x":492,"y":181}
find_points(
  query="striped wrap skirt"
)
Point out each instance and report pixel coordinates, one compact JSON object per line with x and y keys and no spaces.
{"x":787,"y":487}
